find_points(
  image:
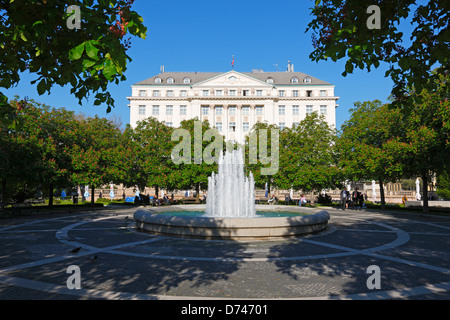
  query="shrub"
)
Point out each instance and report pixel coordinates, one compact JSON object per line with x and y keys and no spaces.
{"x":324,"y":199}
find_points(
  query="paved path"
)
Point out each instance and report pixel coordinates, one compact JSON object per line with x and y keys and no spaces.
{"x":410,"y":251}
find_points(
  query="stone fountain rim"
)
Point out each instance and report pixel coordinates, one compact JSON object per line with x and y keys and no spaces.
{"x":148,"y":219}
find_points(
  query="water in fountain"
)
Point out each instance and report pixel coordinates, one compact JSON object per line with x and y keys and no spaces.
{"x":230,"y":193}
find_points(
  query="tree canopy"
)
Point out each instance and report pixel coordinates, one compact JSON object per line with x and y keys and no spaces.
{"x":35,"y":38}
{"x":307,"y":156}
{"x":341,"y":31}
{"x":369,"y":146}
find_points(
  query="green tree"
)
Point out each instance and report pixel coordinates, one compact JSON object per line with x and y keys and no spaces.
{"x":19,"y":147}
{"x":96,"y":156}
{"x":198,"y":147}
{"x":37,"y":152}
{"x":148,"y":162}
{"x":262,"y":154}
{"x":370,"y":146}
{"x":340,"y":31}
{"x":307,"y":156}
{"x":58,"y":134}
{"x":443,"y":184}
{"x":426,"y":135}
{"x":35,"y":38}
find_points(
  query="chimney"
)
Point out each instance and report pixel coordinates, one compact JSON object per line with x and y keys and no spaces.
{"x":290,"y":67}
{"x":162,"y":69}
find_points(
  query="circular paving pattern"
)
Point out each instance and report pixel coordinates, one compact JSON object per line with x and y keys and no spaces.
{"x":410,"y":254}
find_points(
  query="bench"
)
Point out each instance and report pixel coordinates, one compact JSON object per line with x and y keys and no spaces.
{"x":21,"y":205}
{"x":189,"y":200}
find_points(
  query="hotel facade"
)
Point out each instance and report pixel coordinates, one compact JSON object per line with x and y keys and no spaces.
{"x":233,"y":101}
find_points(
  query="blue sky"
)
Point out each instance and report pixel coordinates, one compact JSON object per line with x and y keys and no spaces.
{"x":202,"y":35}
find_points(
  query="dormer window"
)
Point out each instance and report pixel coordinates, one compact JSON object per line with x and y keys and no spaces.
{"x":307,"y":80}
{"x":186,"y":80}
{"x":170,"y":80}
{"x":269,"y":80}
{"x":158,"y":80}
{"x":294,"y":80}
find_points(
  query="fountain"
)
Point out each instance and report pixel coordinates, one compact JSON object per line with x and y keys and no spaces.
{"x":230,"y":193}
{"x":230,"y":211}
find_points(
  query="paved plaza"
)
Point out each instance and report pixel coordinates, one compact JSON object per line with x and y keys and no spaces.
{"x":410,"y":254}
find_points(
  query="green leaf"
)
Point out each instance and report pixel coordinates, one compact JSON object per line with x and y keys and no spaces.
{"x":77,"y":52}
{"x":91,"y":50}
{"x":88,"y":63}
{"x":41,"y":87}
{"x":109,"y":69}
{"x":23,"y":37}
{"x":348,"y":67}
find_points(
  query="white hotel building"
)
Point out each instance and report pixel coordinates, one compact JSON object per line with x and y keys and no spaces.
{"x":232,"y":101}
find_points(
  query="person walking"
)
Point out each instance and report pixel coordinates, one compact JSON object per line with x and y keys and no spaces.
{"x":343,"y":198}
{"x":355,"y":198}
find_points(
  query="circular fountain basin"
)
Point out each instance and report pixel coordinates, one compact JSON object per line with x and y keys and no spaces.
{"x":151,"y":220}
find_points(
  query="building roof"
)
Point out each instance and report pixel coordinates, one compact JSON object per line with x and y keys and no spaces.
{"x":279,"y":78}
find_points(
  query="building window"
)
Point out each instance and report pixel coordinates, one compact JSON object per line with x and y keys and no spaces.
{"x":323,"y":93}
{"x":169,"y":110}
{"x":245,"y":110}
{"x":219,"y":126}
{"x":169,"y":124}
{"x":186,"y":80}
{"x":259,"y":93}
{"x":295,"y":93}
{"x":205,"y":93}
{"x":294,"y":124}
{"x":205,"y":110}
{"x":232,"y":92}
{"x":183,"y":110}
{"x":295,"y":110}
{"x":183,"y":93}
{"x":307,"y":80}
{"x":219,"y":110}
{"x":232,"y":126}
{"x":158,"y":80}
{"x":269,"y":80}
{"x":155,"y":110}
{"x":259,"y":110}
{"x":281,"y":93}
{"x":142,"y":110}
{"x":231,"y":110}
{"x":323,"y":110}
{"x":156,"y":93}
{"x":245,"y":126}
{"x":142,"y":93}
{"x":219,"y":93}
{"x":246,"y":93}
{"x":309,"y":109}
{"x":170,"y":93}
{"x":309,"y":93}
{"x":294,"y":80}
{"x":170,"y":80}
{"x":281,"y":125}
{"x":281,"y":110}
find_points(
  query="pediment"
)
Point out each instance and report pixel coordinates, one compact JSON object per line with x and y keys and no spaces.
{"x":233,"y":79}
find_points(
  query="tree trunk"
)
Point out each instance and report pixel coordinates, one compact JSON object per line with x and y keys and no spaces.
{"x":197,"y":190}
{"x":50,"y":195}
{"x":425,"y":192}
{"x":383,"y":201}
{"x":3,"y":198}
{"x":156,"y":191}
{"x":92,"y":194}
